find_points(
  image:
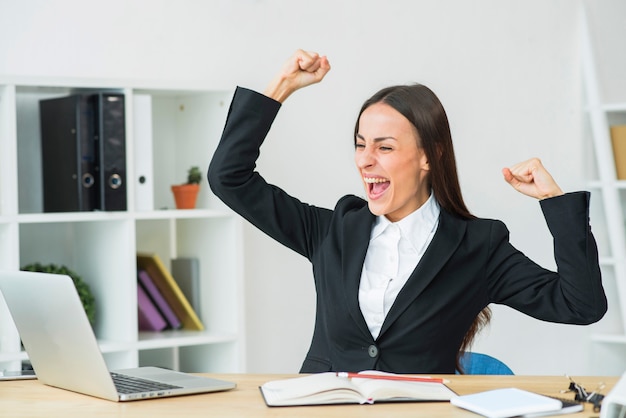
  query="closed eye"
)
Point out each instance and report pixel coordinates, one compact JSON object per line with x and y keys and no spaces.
{"x":381,"y":142}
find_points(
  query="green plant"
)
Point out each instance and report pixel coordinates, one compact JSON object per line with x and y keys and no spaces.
{"x":86,"y":297}
{"x":194,"y":175}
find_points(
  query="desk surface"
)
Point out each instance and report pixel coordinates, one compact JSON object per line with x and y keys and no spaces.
{"x":31,"y":398}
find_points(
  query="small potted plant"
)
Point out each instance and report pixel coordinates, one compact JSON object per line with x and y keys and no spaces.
{"x":186,"y":194}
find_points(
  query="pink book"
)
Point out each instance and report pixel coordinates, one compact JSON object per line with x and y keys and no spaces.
{"x":158,"y":299}
{"x":149,"y":317}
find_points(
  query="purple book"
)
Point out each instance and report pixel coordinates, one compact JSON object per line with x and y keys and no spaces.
{"x":149,"y":317}
{"x":158,"y":299}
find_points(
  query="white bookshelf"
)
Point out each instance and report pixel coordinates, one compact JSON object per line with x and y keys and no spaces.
{"x":609,"y":200}
{"x":101,"y":246}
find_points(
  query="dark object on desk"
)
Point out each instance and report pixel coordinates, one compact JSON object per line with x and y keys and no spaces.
{"x":582,"y":395}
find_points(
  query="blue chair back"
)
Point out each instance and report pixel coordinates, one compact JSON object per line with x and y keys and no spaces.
{"x":478,"y":363}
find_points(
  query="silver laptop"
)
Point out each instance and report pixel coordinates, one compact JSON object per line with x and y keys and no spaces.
{"x":63,"y":350}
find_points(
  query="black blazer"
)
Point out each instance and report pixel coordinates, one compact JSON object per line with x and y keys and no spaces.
{"x":468,"y":265}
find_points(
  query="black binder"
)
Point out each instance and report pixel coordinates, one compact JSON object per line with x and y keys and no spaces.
{"x":68,"y":154}
{"x":83,"y":144}
{"x":110,"y":151}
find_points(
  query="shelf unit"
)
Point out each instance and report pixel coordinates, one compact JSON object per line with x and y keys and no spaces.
{"x":101,"y":246}
{"x":611,"y":217}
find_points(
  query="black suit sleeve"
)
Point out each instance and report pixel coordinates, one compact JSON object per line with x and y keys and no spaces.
{"x":574,"y":293}
{"x":233,"y":178}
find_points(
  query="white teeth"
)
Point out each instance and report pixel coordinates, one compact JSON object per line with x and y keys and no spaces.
{"x":374,"y":180}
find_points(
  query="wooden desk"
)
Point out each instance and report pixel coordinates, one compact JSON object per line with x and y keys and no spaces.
{"x":33,"y":399}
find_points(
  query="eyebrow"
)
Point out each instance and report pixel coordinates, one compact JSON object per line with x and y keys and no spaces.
{"x":379,"y":139}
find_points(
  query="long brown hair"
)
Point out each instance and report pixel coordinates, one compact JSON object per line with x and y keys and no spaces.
{"x":423,"y":109}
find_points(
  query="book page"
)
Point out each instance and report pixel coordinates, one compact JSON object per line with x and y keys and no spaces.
{"x":380,"y":390}
{"x":328,"y":388}
{"x":320,"y":388}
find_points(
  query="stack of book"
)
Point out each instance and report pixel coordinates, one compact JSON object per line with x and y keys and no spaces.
{"x":161,"y":304}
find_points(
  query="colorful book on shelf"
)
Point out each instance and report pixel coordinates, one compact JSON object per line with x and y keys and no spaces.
{"x":170,"y":290}
{"x":156,"y":296}
{"x":149,"y":317}
{"x":186,"y":272}
{"x":359,"y":388}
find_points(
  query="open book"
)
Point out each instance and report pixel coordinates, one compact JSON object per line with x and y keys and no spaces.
{"x":339,"y":388}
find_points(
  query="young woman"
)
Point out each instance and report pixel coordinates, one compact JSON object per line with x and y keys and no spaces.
{"x":404,"y":278}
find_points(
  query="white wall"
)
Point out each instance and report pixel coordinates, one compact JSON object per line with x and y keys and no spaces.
{"x":507,"y":72}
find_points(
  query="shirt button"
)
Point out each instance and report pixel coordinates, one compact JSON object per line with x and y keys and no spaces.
{"x":372,"y":350}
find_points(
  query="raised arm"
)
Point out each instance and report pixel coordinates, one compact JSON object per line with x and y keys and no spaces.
{"x":232,"y":173}
{"x":301,"y":70}
{"x":532,"y":179}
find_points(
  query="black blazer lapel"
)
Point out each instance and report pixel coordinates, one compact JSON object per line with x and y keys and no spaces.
{"x":356,"y":232}
{"x":449,"y":234}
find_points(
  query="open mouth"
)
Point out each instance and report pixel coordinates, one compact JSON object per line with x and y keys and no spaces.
{"x":376,"y":186}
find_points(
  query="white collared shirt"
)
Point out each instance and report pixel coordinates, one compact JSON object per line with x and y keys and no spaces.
{"x":394,"y":250}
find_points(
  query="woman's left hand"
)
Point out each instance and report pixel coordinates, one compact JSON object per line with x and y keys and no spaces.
{"x":532,"y":179}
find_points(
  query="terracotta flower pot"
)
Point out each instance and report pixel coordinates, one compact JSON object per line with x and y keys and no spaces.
{"x":185,"y":195}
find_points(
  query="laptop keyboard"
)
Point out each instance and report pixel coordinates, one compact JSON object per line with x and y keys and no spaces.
{"x":130,"y":384}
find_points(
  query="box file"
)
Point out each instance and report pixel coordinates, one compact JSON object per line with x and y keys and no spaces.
{"x":83,"y":144}
{"x":68,"y":154}
{"x":110,"y":150}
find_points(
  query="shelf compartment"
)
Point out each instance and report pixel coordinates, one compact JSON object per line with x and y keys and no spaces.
{"x":169,"y":339}
{"x":69,"y":217}
{"x":29,"y":141}
{"x":608,"y":107}
{"x":102,"y":253}
{"x":186,"y":127}
{"x":183,"y":214}
{"x":220,"y":283}
{"x":216,"y":357}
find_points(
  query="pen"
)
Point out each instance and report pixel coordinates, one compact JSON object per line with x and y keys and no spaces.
{"x":392,"y":377}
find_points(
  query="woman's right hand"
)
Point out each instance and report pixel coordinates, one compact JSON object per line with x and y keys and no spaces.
{"x":301,"y":70}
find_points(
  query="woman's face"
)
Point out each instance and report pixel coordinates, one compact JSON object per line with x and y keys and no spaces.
{"x":392,"y":165}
